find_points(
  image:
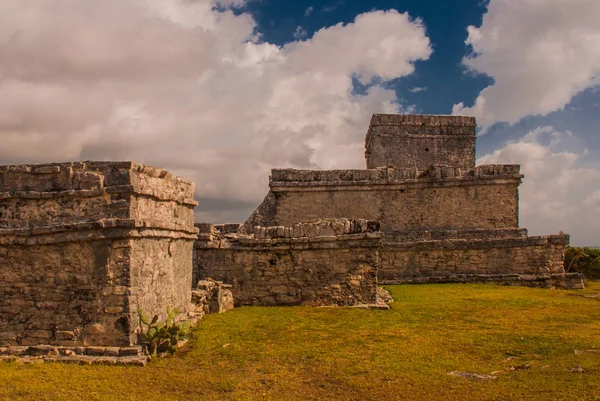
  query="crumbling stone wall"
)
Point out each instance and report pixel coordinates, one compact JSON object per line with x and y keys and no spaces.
{"x":83,"y":245}
{"x":401,"y":199}
{"x":483,"y":253}
{"x":325,"y":262}
{"x":416,"y":141}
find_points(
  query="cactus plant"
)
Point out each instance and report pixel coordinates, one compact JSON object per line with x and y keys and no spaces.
{"x":160,"y":338}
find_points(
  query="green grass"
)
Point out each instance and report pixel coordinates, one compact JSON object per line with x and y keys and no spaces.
{"x":305,"y":353}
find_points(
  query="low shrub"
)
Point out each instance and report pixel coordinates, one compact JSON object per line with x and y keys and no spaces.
{"x":584,"y":260}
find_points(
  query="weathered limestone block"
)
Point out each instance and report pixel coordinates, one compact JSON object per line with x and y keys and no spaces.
{"x":84,"y":245}
{"x":213,"y":296}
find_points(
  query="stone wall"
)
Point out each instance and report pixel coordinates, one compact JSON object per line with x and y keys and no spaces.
{"x":402,"y":199}
{"x":325,"y":262}
{"x":419,"y":142}
{"x":83,"y":245}
{"x":488,"y":254}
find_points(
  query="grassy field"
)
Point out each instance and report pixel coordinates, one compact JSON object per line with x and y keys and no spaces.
{"x":528,"y":337}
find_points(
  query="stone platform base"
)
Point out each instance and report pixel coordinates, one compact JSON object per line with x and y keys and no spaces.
{"x":78,"y":355}
{"x":565,"y":280}
{"x":79,"y":360}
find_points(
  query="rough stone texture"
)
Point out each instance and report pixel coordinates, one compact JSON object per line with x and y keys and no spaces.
{"x":213,"y":296}
{"x":415,"y":261}
{"x":402,"y":199}
{"x":325,"y":262}
{"x":83,"y":245}
{"x":415,"y":141}
{"x":78,"y":355}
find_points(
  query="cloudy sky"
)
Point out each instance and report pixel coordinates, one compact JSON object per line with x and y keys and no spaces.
{"x":221,"y":91}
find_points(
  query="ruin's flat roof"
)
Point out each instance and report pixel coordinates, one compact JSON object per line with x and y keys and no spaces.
{"x":422,"y":119}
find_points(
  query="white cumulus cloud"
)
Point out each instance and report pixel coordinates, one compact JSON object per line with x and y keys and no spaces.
{"x":540,"y":54}
{"x":556,"y":193}
{"x":192,"y":88}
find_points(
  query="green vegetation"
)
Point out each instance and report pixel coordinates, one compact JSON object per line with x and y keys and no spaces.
{"x":527,"y":336}
{"x":583,"y":260}
{"x":159,"y":338}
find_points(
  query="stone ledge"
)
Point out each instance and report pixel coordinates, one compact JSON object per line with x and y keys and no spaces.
{"x":317,"y":228}
{"x":79,"y":360}
{"x":306,"y":235}
{"x":52,"y":350}
{"x":311,"y":236}
{"x":98,"y":224}
{"x":433,"y":234}
{"x":472,"y":243}
{"x":396,"y":175}
{"x":561,"y":280}
{"x":384,"y":179}
{"x":364,"y":240}
{"x":93,"y":166}
{"x":90,"y":193}
{"x":325,"y":186}
{"x":94,"y":234}
{"x":88,"y":179}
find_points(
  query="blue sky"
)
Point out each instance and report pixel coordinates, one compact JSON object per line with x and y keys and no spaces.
{"x":222,"y":91}
{"x":445,"y":21}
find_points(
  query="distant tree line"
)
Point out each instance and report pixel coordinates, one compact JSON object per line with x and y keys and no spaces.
{"x":584,"y":260}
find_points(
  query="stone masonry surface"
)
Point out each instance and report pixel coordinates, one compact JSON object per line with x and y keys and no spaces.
{"x":84,"y":245}
{"x":324,"y":262}
{"x":419,"y":142}
{"x":77,"y":354}
{"x":437,"y":198}
{"x":408,"y":261}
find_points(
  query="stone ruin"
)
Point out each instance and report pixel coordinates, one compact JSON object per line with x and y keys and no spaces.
{"x":439,"y":218}
{"x":84,"y":245}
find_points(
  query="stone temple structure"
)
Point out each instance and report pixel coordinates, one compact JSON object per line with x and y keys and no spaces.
{"x":84,"y":245}
{"x":421,"y":212}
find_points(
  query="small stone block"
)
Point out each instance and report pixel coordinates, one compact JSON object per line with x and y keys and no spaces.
{"x":133,"y":360}
{"x":38,"y":350}
{"x":111,"y":351}
{"x":95,"y":351}
{"x":130,"y":351}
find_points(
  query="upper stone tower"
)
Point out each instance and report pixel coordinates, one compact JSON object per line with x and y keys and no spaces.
{"x":420,"y":141}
